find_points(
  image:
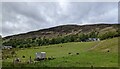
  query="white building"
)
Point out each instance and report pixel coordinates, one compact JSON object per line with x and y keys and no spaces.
{"x":41,"y":55}
{"x":93,"y":39}
{"x":7,"y":47}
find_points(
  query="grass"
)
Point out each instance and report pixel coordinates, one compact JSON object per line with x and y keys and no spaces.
{"x":90,"y":54}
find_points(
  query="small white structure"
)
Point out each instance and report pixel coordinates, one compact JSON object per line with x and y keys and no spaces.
{"x":98,"y":39}
{"x":93,"y":39}
{"x":7,"y":47}
{"x":41,"y":55}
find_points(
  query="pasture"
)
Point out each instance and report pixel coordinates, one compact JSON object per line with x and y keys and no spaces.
{"x":74,"y":54}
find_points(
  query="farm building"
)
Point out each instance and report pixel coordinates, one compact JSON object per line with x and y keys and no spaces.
{"x":7,"y":47}
{"x":41,"y":55}
{"x":93,"y":39}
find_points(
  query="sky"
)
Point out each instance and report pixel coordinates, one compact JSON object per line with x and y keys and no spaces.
{"x":21,"y":17}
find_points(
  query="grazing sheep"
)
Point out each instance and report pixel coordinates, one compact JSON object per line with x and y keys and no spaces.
{"x":29,"y":61}
{"x":69,"y":53}
{"x":54,"y":58}
{"x":17,"y":60}
{"x":49,"y":58}
{"x":77,"y":53}
{"x":37,"y":59}
{"x":23,"y":56}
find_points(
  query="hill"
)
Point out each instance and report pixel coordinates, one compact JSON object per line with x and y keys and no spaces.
{"x":63,"y":34}
{"x":64,"y":30}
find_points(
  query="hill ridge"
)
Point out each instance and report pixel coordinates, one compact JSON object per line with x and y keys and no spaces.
{"x":61,"y":30}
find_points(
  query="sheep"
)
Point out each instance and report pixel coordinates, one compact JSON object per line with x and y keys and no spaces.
{"x":77,"y":53}
{"x":69,"y":53}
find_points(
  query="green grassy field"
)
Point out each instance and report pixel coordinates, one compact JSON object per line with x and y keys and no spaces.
{"x":90,"y":54}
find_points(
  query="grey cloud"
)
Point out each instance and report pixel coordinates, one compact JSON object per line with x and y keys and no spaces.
{"x":23,"y":9}
{"x":28,"y":16}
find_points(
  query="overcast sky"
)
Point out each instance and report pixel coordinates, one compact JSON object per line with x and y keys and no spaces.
{"x":21,"y":17}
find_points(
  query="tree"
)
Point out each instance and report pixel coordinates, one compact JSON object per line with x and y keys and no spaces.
{"x":53,"y":41}
{"x":83,"y":37}
{"x":93,"y":34}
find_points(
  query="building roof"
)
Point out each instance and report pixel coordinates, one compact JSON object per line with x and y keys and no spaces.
{"x":8,"y":46}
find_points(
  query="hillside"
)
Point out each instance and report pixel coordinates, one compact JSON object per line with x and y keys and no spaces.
{"x":65,"y":30}
{"x":90,"y":54}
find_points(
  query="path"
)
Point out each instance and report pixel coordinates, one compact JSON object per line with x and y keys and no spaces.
{"x":95,"y":46}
